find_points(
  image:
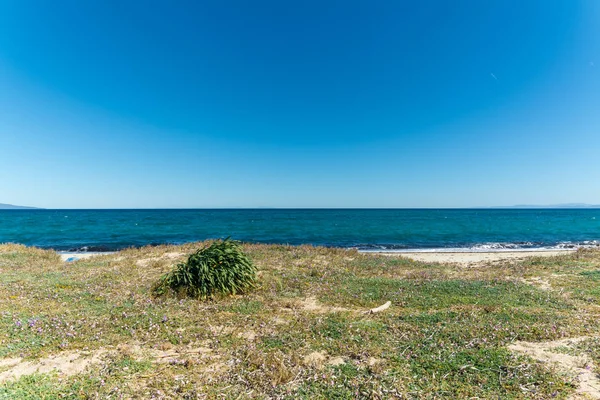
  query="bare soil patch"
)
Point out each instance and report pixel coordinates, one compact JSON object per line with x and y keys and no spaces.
{"x":74,"y":362}
{"x":538,"y":282}
{"x":579,"y":366}
{"x":319,"y":359}
{"x":311,"y":304}
{"x":144,"y":262}
{"x":66,"y":363}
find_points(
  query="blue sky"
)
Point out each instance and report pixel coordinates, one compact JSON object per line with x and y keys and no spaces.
{"x":299,"y":104}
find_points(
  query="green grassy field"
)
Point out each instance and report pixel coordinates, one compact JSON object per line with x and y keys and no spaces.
{"x":303,"y":333}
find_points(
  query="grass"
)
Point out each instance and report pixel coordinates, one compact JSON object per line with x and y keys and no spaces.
{"x":445,"y":335}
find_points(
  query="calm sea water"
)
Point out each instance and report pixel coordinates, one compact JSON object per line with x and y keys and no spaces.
{"x":368,"y":229}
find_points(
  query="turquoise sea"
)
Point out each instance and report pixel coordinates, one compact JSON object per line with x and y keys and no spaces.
{"x":366,"y":229}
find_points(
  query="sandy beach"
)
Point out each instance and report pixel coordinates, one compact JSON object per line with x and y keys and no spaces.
{"x":475,"y":258}
{"x":463,"y":257}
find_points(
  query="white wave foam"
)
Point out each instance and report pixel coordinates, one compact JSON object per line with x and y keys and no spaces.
{"x":492,"y":248}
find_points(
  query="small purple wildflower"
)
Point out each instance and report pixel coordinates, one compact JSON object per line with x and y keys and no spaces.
{"x":164,"y":319}
{"x":18,"y":323}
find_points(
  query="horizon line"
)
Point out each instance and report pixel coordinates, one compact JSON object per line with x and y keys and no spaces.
{"x":29,"y":208}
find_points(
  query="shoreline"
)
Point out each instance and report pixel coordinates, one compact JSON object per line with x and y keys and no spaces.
{"x":465,"y":256}
{"x":459,"y":250}
{"x":475,"y":258}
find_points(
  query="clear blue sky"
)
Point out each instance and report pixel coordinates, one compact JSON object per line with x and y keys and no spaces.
{"x":299,"y":104}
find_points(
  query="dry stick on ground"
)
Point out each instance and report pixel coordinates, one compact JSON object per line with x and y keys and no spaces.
{"x":380,"y":308}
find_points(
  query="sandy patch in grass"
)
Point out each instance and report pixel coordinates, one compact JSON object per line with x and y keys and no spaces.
{"x":248,"y":335}
{"x":311,"y":304}
{"x":319,"y":359}
{"x":372,"y":361}
{"x":538,"y":282}
{"x":144,"y":262}
{"x":580,"y":366}
{"x":279,"y":321}
{"x":74,"y":362}
{"x":335,"y":361}
{"x":315,"y":359}
{"x":66,"y":363}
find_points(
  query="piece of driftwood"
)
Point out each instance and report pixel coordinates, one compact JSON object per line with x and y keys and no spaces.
{"x":380,"y":308}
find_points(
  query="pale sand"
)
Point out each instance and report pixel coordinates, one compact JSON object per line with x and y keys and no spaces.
{"x":474,"y":258}
{"x":466,"y":257}
{"x":79,"y":256}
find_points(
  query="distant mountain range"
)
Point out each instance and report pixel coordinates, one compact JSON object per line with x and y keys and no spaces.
{"x":11,"y":207}
{"x":566,"y":205}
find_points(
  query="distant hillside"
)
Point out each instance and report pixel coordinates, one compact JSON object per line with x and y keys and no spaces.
{"x":11,"y":207}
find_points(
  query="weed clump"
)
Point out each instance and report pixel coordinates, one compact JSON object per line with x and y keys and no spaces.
{"x":221,"y":268}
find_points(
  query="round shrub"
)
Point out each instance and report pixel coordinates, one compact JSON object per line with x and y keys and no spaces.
{"x":221,"y":268}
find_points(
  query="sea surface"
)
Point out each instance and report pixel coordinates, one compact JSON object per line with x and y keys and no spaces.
{"x":365,"y":229}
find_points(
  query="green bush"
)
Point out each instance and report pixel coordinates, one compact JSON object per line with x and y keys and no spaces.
{"x":221,"y":268}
